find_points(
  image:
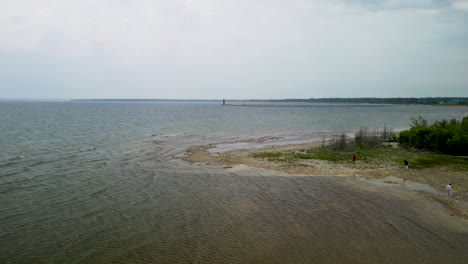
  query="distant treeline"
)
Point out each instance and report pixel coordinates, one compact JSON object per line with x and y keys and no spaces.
{"x":372,"y":100}
{"x":361,"y":100}
{"x":449,"y":137}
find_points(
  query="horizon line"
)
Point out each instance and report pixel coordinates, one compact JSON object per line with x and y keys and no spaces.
{"x":220,"y":99}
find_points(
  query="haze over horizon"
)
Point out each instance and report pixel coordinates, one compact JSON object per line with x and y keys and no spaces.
{"x":207,"y":49}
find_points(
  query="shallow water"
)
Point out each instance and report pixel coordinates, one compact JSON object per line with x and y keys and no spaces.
{"x":100,"y":183}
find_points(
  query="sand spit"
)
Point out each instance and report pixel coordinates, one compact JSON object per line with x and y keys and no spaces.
{"x":428,"y":182}
{"x":202,"y":154}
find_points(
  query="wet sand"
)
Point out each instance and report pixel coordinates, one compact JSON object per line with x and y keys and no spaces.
{"x":232,"y":156}
{"x":212,"y":155}
{"x":356,"y":217}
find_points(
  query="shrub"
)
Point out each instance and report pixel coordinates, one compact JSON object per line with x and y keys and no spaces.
{"x":449,"y":137}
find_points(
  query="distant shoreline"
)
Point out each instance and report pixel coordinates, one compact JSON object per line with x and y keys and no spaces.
{"x":443,"y":101}
{"x":338,"y":105}
{"x":460,"y":102}
{"x":308,"y":105}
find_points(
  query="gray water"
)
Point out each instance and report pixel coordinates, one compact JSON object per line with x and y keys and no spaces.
{"x":102,"y":182}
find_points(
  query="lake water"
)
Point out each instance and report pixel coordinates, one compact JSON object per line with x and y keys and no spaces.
{"x":103,"y":182}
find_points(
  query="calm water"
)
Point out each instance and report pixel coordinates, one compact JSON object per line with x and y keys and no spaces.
{"x":101,"y":182}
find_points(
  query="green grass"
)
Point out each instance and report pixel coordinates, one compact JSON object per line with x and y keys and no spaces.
{"x":429,"y":160}
{"x":383,"y":155}
{"x":264,"y":155}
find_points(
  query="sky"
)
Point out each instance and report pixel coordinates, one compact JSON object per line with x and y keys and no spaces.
{"x":243,"y":49}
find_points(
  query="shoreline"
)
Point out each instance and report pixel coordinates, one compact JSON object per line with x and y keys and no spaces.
{"x":412,"y":180}
{"x":334,"y":104}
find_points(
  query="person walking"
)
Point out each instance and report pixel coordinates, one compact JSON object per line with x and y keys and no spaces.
{"x":449,"y":190}
{"x":406,"y":164}
{"x":354,"y":158}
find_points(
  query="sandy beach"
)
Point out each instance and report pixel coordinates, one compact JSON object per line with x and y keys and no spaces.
{"x":429,"y":183}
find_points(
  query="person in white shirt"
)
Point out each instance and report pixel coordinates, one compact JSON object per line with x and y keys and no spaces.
{"x":449,"y":189}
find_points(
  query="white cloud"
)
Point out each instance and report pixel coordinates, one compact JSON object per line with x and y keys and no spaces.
{"x":252,"y":48}
{"x":460,"y":5}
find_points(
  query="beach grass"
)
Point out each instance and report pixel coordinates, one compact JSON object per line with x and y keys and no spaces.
{"x":373,"y":157}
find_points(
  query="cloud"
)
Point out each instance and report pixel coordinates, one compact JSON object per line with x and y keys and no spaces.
{"x":388,"y":5}
{"x":460,"y":5}
{"x":243,"y":48}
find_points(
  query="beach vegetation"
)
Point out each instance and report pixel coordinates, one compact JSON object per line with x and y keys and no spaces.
{"x":364,"y":138}
{"x":266,"y":155}
{"x":385,"y":155}
{"x":446,"y":136}
{"x":381,"y":147}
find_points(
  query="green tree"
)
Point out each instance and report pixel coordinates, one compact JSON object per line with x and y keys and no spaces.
{"x":450,"y":137}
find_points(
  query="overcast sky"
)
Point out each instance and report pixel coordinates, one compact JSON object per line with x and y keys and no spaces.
{"x":211,"y":49}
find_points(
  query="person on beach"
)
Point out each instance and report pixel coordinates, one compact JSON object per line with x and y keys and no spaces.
{"x":354,"y":158}
{"x":406,"y":164}
{"x":449,"y":190}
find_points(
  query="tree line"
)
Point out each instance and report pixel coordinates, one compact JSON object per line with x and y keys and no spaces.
{"x":446,"y":136}
{"x":374,"y":100}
